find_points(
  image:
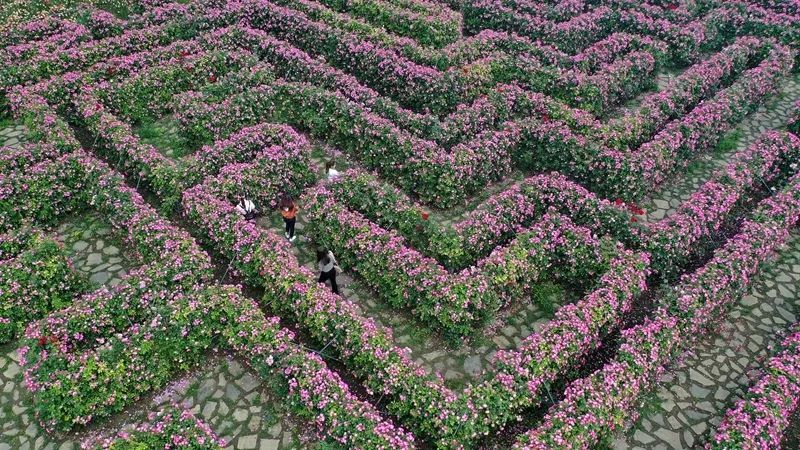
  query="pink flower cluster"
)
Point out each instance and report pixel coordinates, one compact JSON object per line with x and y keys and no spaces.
{"x":169,"y":428}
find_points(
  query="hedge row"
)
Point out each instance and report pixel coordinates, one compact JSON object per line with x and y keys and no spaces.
{"x":38,"y":280}
{"x":164,"y":428}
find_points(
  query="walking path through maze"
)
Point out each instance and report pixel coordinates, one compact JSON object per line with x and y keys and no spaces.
{"x":562,"y":224}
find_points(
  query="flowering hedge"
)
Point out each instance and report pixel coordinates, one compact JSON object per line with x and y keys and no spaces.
{"x":507,"y":102}
{"x":614,"y":83}
{"x":148,"y":93}
{"x":165,"y":428}
{"x":596,"y":406}
{"x":47,"y":64}
{"x":39,"y":280}
{"x":415,"y":86}
{"x":423,"y":21}
{"x":313,"y":392}
{"x":492,"y":223}
{"x":768,"y":161}
{"x":571,"y":36}
{"x":734,"y":18}
{"x":91,"y":373}
{"x":760,"y":419}
{"x":14,"y":242}
{"x":42,"y":193}
{"x":455,"y":304}
{"x":292,"y":64}
{"x":605,"y":51}
{"x":685,"y":91}
{"x":629,"y":175}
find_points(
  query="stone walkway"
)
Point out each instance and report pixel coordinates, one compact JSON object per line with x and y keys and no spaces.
{"x":773,"y":114}
{"x":165,"y":136}
{"x":232,"y":399}
{"x":94,"y":250}
{"x":13,"y":135}
{"x":694,"y":396}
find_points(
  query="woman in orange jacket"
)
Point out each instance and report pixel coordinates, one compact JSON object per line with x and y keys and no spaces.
{"x":289,"y":213}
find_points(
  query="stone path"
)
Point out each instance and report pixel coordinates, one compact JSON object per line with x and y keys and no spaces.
{"x":94,"y":250}
{"x":165,"y":136}
{"x":773,"y":114}
{"x":693,"y":397}
{"x":13,"y":135}
{"x":232,"y":399}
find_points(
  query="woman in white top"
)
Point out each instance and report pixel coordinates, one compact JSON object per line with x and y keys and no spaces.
{"x":246,"y":208}
{"x":330,"y":172}
{"x":327,"y":268}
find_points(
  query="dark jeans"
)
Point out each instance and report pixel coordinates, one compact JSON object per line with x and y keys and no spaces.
{"x":329,"y":275}
{"x":290,"y":225}
{"x":251,"y":215}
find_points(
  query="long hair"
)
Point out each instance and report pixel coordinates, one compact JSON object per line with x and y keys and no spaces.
{"x":322,"y":256}
{"x":287,"y":202}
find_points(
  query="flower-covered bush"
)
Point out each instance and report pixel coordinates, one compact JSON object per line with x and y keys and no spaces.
{"x":39,"y":280}
{"x":794,"y":122}
{"x":172,"y":428}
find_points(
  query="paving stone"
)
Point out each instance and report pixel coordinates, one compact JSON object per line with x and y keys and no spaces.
{"x":94,"y":259}
{"x":100,"y":277}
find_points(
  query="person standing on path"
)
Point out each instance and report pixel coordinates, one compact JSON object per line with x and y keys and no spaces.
{"x":289,"y":214}
{"x":330,"y":170}
{"x":328,"y":268}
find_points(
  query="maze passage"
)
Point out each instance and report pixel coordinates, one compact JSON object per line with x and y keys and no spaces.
{"x":391,"y":224}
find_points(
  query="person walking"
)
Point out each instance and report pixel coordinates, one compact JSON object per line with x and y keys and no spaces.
{"x":328,"y":268}
{"x":289,"y":213}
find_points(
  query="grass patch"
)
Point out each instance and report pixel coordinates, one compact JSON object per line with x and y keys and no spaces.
{"x":163,"y":135}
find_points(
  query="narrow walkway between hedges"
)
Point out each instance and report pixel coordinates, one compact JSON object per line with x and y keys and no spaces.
{"x":694,"y":397}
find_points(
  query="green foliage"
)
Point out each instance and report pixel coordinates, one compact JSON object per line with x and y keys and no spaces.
{"x":39,"y":280}
{"x":547,"y":296}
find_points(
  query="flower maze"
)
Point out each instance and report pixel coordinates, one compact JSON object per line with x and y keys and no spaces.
{"x":562,"y":224}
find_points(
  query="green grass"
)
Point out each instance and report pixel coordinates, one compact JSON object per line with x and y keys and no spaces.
{"x":159,"y":135}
